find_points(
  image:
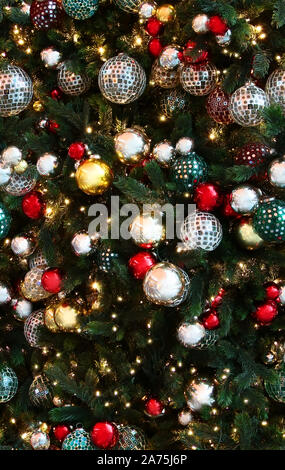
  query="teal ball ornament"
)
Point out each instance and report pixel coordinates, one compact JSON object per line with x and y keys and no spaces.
{"x":269,"y":221}
{"x":80,"y":9}
{"x":8,"y":384}
{"x":78,"y":440}
{"x":187,"y":172}
{"x":5,"y":221}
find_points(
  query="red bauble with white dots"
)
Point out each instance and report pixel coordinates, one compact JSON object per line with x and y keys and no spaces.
{"x":266,"y":312}
{"x":76,"y":150}
{"x":154,"y":408}
{"x":104,"y":435}
{"x":252,"y":155}
{"x":61,"y":431}
{"x":46,"y":14}
{"x":140,"y":263}
{"x":217,"y":106}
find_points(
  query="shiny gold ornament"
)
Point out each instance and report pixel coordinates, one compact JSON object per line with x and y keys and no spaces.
{"x":66,"y":316}
{"x":49,"y":319}
{"x":21,"y":167}
{"x":165,"y":13}
{"x":31,"y":287}
{"x":38,"y":106}
{"x":94,"y":177}
{"x":246,"y":235}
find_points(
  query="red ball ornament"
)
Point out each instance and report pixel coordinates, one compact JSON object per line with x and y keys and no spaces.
{"x":104,"y":435}
{"x":227,"y":209}
{"x":155,"y":47}
{"x":217,"y":25}
{"x":52,"y":126}
{"x":140,"y":263}
{"x":252,"y":154}
{"x":33,"y":205}
{"x":211,"y":320}
{"x":154,"y":408}
{"x":272,"y":291}
{"x":217,"y":106}
{"x":207,"y":196}
{"x":76,"y":150}
{"x":218,"y":299}
{"x":266,"y":312}
{"x":52,"y":280}
{"x":154,"y":27}
{"x":46,"y":14}
{"x":56,"y":94}
{"x":61,"y":431}
{"x":185,"y":56}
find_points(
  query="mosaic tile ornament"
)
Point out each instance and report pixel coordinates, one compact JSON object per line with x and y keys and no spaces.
{"x":105,"y":259}
{"x":198,"y":79}
{"x":19,"y":185}
{"x":189,"y":171}
{"x":218,"y":106}
{"x":131,"y":438}
{"x":37,"y":260}
{"x":276,"y":390}
{"x":5,"y":221}
{"x":172,"y":102}
{"x":122,"y":79}
{"x":165,"y":78}
{"x":80,"y":9}
{"x":269,"y":220}
{"x":32,"y":325}
{"x":16,"y":90}
{"x":252,"y":154}
{"x":40,"y":392}
{"x":247,"y":104}
{"x":46,"y":14}
{"x":275,"y":88}
{"x":31,"y":287}
{"x":131,"y":6}
{"x":8,"y":384}
{"x":201,"y":230}
{"x":40,"y":440}
{"x":78,"y":440}
{"x":72,"y":83}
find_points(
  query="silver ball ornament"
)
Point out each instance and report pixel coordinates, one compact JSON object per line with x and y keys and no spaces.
{"x":147,"y":9}
{"x":21,"y":184}
{"x":147,"y":230}
{"x":22,"y":308}
{"x":5,"y":294}
{"x":282,"y":293}
{"x":40,"y":440}
{"x":276,"y":173}
{"x":38,"y":260}
{"x":47,"y":164}
{"x":164,"y":153}
{"x":72,"y":83}
{"x":16,"y":90}
{"x":225,"y":39}
{"x":198,"y":79}
{"x":50,"y":57}
{"x":201,"y":230}
{"x":185,"y":417}
{"x":11,"y":156}
{"x":200,"y":23}
{"x":275,"y":88}
{"x":190,"y":334}
{"x":82,"y":244}
{"x":8,"y":384}
{"x":247,"y":104}
{"x":184,"y":146}
{"x":245,"y":199}
{"x":169,"y":57}
{"x":23,"y":245}
{"x":32,"y":325}
{"x":5,"y":174}
{"x":131,"y":146}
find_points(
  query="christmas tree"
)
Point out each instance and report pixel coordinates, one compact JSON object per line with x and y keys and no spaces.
{"x":149,"y":337}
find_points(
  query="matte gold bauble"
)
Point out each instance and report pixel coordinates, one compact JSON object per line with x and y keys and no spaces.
{"x":246,"y":235}
{"x":94,"y":177}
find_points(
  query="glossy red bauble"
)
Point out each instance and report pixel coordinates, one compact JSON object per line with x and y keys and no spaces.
{"x":60,"y":432}
{"x":200,"y":55}
{"x":33,"y":205}
{"x":208,"y":196}
{"x":140,"y":263}
{"x":272,"y":291}
{"x":52,"y":280}
{"x":76,"y":150}
{"x":218,"y":299}
{"x":155,"y":47}
{"x":56,"y":94}
{"x":266,"y":312}
{"x":104,"y":435}
{"x":154,"y":27}
{"x":211,"y":320}
{"x":217,"y":25}
{"x":154,"y":407}
{"x":46,"y":14}
{"x":52,"y":126}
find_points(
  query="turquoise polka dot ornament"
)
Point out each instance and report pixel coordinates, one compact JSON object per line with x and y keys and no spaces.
{"x":269,"y":221}
{"x":5,"y":221}
{"x":80,"y":9}
{"x":78,"y":440}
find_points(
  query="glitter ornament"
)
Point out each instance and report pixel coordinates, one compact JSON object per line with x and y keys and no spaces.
{"x":37,"y":260}
{"x":49,"y":319}
{"x":93,"y":177}
{"x":11,"y":156}
{"x":83,"y":244}
{"x":76,"y":150}
{"x":50,"y":57}
{"x":147,"y":9}
{"x":21,"y":167}
{"x":140,"y":263}
{"x":166,"y":284}
{"x":245,"y":199}
{"x":199,"y":393}
{"x":173,"y":102}
{"x":252,"y":154}
{"x":218,"y":106}
{"x":200,"y":23}
{"x":247,"y":104}
{"x":52,"y":280}
{"x":16,"y":90}
{"x":78,"y":440}
{"x":80,"y":9}
{"x":276,"y":390}
{"x":40,"y":440}
{"x":8,"y":384}
{"x":66,"y":316}
{"x":155,"y":47}
{"x":72,"y":83}
{"x":169,"y":57}
{"x":31,"y":287}
{"x":122,"y":79}
{"x":198,"y":79}
{"x":131,"y":146}
{"x":266,"y":312}
{"x":207,"y":196}
{"x":188,"y":171}
{"x":5,"y":221}
{"x":5,"y":294}
{"x":164,"y":153}
{"x":23,"y":245}
{"x":47,"y":164}
{"x":104,"y":435}
{"x":201,"y":230}
{"x":147,"y":230}
{"x":184,"y":146}
{"x":40,"y":393}
{"x":21,"y":308}
{"x":154,"y":408}
{"x":131,"y":438}
{"x":32,"y":325}
{"x":246,"y":235}
{"x":130,"y":6}
{"x":275,"y":88}
{"x":269,"y":220}
{"x":165,"y":13}
{"x":224,"y":39}
{"x":185,"y":417}
{"x":20,"y":185}
{"x":61,"y":431}
{"x":217,"y":25}
{"x":46,"y":14}
{"x":154,"y":27}
{"x":163,"y":77}
{"x":276,"y":173}
{"x":33,"y":205}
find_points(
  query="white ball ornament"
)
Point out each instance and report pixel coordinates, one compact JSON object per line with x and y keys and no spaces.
{"x":282,"y":294}
{"x":184,"y":146}
{"x":5,"y":295}
{"x":276,"y":173}
{"x":50,"y":57}
{"x":147,"y":9}
{"x":201,"y":230}
{"x":131,"y":145}
{"x":40,"y":440}
{"x":22,"y":308}
{"x":5,"y":174}
{"x":11,"y":156}
{"x":47,"y":164}
{"x":164,"y":153}
{"x":199,"y":393}
{"x":247,"y":104}
{"x":82,"y":244}
{"x":245,"y":199}
{"x":185,"y":417}
{"x":22,"y":245}
{"x":190,"y":334}
{"x":147,"y":230}
{"x":200,"y":23}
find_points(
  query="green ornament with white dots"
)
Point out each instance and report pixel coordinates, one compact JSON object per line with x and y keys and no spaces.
{"x":80,"y":9}
{"x":5,"y":221}
{"x":187,"y":172}
{"x":269,"y":220}
{"x":78,"y":440}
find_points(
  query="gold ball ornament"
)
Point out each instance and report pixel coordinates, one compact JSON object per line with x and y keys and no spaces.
{"x":66,"y":316}
{"x":49,"y":319}
{"x":21,"y":167}
{"x":165,"y":13}
{"x":38,"y":106}
{"x":94,"y":177}
{"x":246,"y":236}
{"x":31,"y":287}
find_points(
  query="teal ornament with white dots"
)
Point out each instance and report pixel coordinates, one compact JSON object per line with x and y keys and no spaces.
{"x":80,"y":9}
{"x":187,"y":172}
{"x":78,"y":440}
{"x":269,"y":221}
{"x":5,"y":221}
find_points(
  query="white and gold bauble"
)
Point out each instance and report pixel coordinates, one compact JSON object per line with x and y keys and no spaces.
{"x":164,"y":153}
{"x":131,"y":145}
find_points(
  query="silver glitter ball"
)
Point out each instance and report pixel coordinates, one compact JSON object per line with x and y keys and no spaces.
{"x":19,"y":185}
{"x":47,"y":164}
{"x":169,"y":57}
{"x":247,"y":104}
{"x":32,"y":325}
{"x":50,"y":57}
{"x":201,"y":230}
{"x":195,"y":336}
{"x":198,"y":79}
{"x":245,"y":199}
{"x":200,"y":23}
{"x":16,"y":90}
{"x":165,"y":78}
{"x":276,"y":173}
{"x":8,"y":384}
{"x":122,"y":79}
{"x":184,"y":146}
{"x":40,"y":440}
{"x":225,"y":39}
{"x":275,"y":88}
{"x":72,"y":83}
{"x":147,"y":9}
{"x":23,"y":245}
{"x":172,"y":102}
{"x":131,"y":6}
{"x":147,"y":229}
{"x":164,"y":153}
{"x":131,"y":145}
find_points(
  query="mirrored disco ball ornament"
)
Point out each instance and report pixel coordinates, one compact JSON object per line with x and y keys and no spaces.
{"x":80,"y":9}
{"x":31,"y":287}
{"x":32,"y":326}
{"x":122,"y":79}
{"x":131,"y":438}
{"x":16,"y":90}
{"x":165,"y":78}
{"x":276,"y":390}
{"x":245,"y":199}
{"x":201,"y":230}
{"x":5,"y":221}
{"x":164,"y":153}
{"x":269,"y":220}
{"x":19,"y":185}
{"x":40,"y":440}
{"x":169,"y":57}
{"x":147,"y":9}
{"x":275,"y":88}
{"x":218,"y":106}
{"x":276,"y":173}
{"x":252,"y":154}
{"x":199,"y":393}
{"x":72,"y":83}
{"x":8,"y":384}
{"x":131,"y":6}
{"x":40,"y":393}
{"x":172,"y":102}
{"x":198,"y":79}
{"x":247,"y":104}
{"x":166,"y":284}
{"x":131,"y":145}
{"x":187,"y":172}
{"x":195,"y":336}
{"x":78,"y":440}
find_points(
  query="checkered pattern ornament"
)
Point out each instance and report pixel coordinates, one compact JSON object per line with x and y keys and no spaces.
{"x":276,"y":390}
{"x":165,"y":78}
{"x":8,"y":384}
{"x":247,"y":104}
{"x":173,"y":101}
{"x":275,"y":88}
{"x":16,"y":90}
{"x":131,"y":438}
{"x":78,"y":440}
{"x":72,"y":83}
{"x":269,"y":220}
{"x":34,"y":322}
{"x":19,"y":185}
{"x":40,"y":393}
{"x":31,"y":287}
{"x":198,"y":79}
{"x":218,"y":106}
{"x":122,"y":79}
{"x":80,"y":9}
{"x":201,"y":230}
{"x":131,"y":6}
